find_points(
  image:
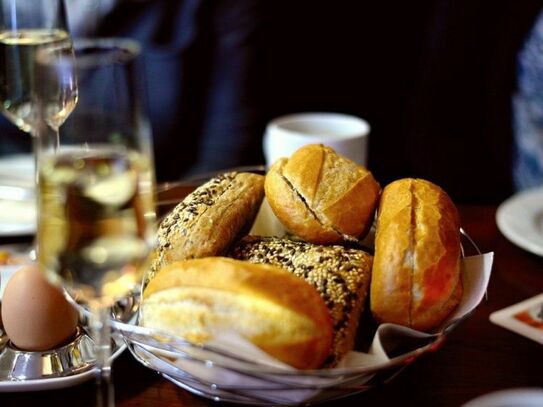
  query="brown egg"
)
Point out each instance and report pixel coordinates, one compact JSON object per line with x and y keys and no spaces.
{"x":35,"y":314}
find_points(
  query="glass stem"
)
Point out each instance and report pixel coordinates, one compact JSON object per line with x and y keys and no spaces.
{"x":33,"y":252}
{"x":101,"y":333}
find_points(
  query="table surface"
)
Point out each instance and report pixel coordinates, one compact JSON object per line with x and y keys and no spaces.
{"x":477,"y":358}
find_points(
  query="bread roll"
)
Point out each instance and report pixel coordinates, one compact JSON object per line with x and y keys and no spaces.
{"x":277,"y":311}
{"x":340,"y":275}
{"x":322,"y":196}
{"x":416,"y":277}
{"x":209,"y":219}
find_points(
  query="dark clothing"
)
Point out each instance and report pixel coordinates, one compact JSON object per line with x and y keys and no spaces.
{"x":434,"y":79}
{"x":199,"y":63}
{"x":200,"y":71}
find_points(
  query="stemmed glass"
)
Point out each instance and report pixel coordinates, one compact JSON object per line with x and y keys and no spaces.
{"x":96,"y":182}
{"x":25,"y":27}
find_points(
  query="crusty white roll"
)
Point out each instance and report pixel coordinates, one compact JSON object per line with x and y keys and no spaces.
{"x":277,"y":311}
{"x":416,"y":276}
{"x":209,"y":219}
{"x":321,"y":196}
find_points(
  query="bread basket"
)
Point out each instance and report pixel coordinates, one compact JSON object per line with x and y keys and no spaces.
{"x":234,"y":371}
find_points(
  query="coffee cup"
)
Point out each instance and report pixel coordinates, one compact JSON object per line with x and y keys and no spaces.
{"x":346,"y":134}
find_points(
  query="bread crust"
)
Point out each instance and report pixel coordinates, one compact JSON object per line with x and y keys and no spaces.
{"x":340,"y":275}
{"x":209,"y":220}
{"x":300,"y":334}
{"x":292,"y":211}
{"x":322,"y":196}
{"x":416,"y":277}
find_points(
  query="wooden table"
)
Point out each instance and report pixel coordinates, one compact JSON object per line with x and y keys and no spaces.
{"x":478,"y":357}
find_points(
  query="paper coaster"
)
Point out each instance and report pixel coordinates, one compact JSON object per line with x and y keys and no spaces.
{"x":524,"y":318}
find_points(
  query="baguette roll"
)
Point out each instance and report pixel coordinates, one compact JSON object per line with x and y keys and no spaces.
{"x":209,"y":219}
{"x":321,"y":196}
{"x":340,"y":275}
{"x":278,"y":312}
{"x":416,"y":277}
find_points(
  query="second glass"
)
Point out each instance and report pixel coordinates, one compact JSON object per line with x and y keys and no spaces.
{"x":25,"y":27}
{"x":96,"y":181}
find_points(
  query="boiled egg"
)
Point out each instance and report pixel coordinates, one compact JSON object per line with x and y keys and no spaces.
{"x":35,"y":314}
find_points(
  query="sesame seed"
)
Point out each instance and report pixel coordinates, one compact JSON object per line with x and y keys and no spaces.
{"x":178,"y":223}
{"x":339,"y":274}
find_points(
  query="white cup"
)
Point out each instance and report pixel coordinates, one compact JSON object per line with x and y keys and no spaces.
{"x":347,"y":135}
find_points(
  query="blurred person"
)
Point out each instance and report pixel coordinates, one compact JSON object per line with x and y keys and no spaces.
{"x":199,"y":60}
{"x":460,"y":117}
{"x":528,"y":111}
{"x":434,"y":79}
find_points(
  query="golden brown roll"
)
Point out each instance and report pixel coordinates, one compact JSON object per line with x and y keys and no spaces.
{"x":277,"y":311}
{"x":416,"y":277}
{"x":322,"y":196}
{"x":209,"y":219}
{"x":340,"y":275}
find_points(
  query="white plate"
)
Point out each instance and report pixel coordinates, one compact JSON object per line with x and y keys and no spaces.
{"x":520,"y":219}
{"x":54,"y":382}
{"x":45,"y":384}
{"x":530,"y":397}
{"x":17,"y":217}
{"x":17,"y":167}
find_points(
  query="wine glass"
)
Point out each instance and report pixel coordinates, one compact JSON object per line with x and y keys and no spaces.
{"x":25,"y":27}
{"x":96,"y":182}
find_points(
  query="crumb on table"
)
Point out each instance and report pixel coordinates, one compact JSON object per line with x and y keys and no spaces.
{"x":7,"y":258}
{"x":4,"y":257}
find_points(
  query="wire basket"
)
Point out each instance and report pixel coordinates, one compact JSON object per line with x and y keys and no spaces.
{"x":217,"y":373}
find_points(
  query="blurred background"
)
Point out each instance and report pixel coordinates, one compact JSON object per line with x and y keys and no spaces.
{"x":434,"y":78}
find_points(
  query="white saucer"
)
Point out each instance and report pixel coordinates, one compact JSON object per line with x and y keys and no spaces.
{"x":17,"y":218}
{"x":17,"y":166}
{"x":520,"y":219}
{"x":17,"y":214}
{"x":529,"y":397}
{"x":57,"y":382}
{"x":6,"y":272}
